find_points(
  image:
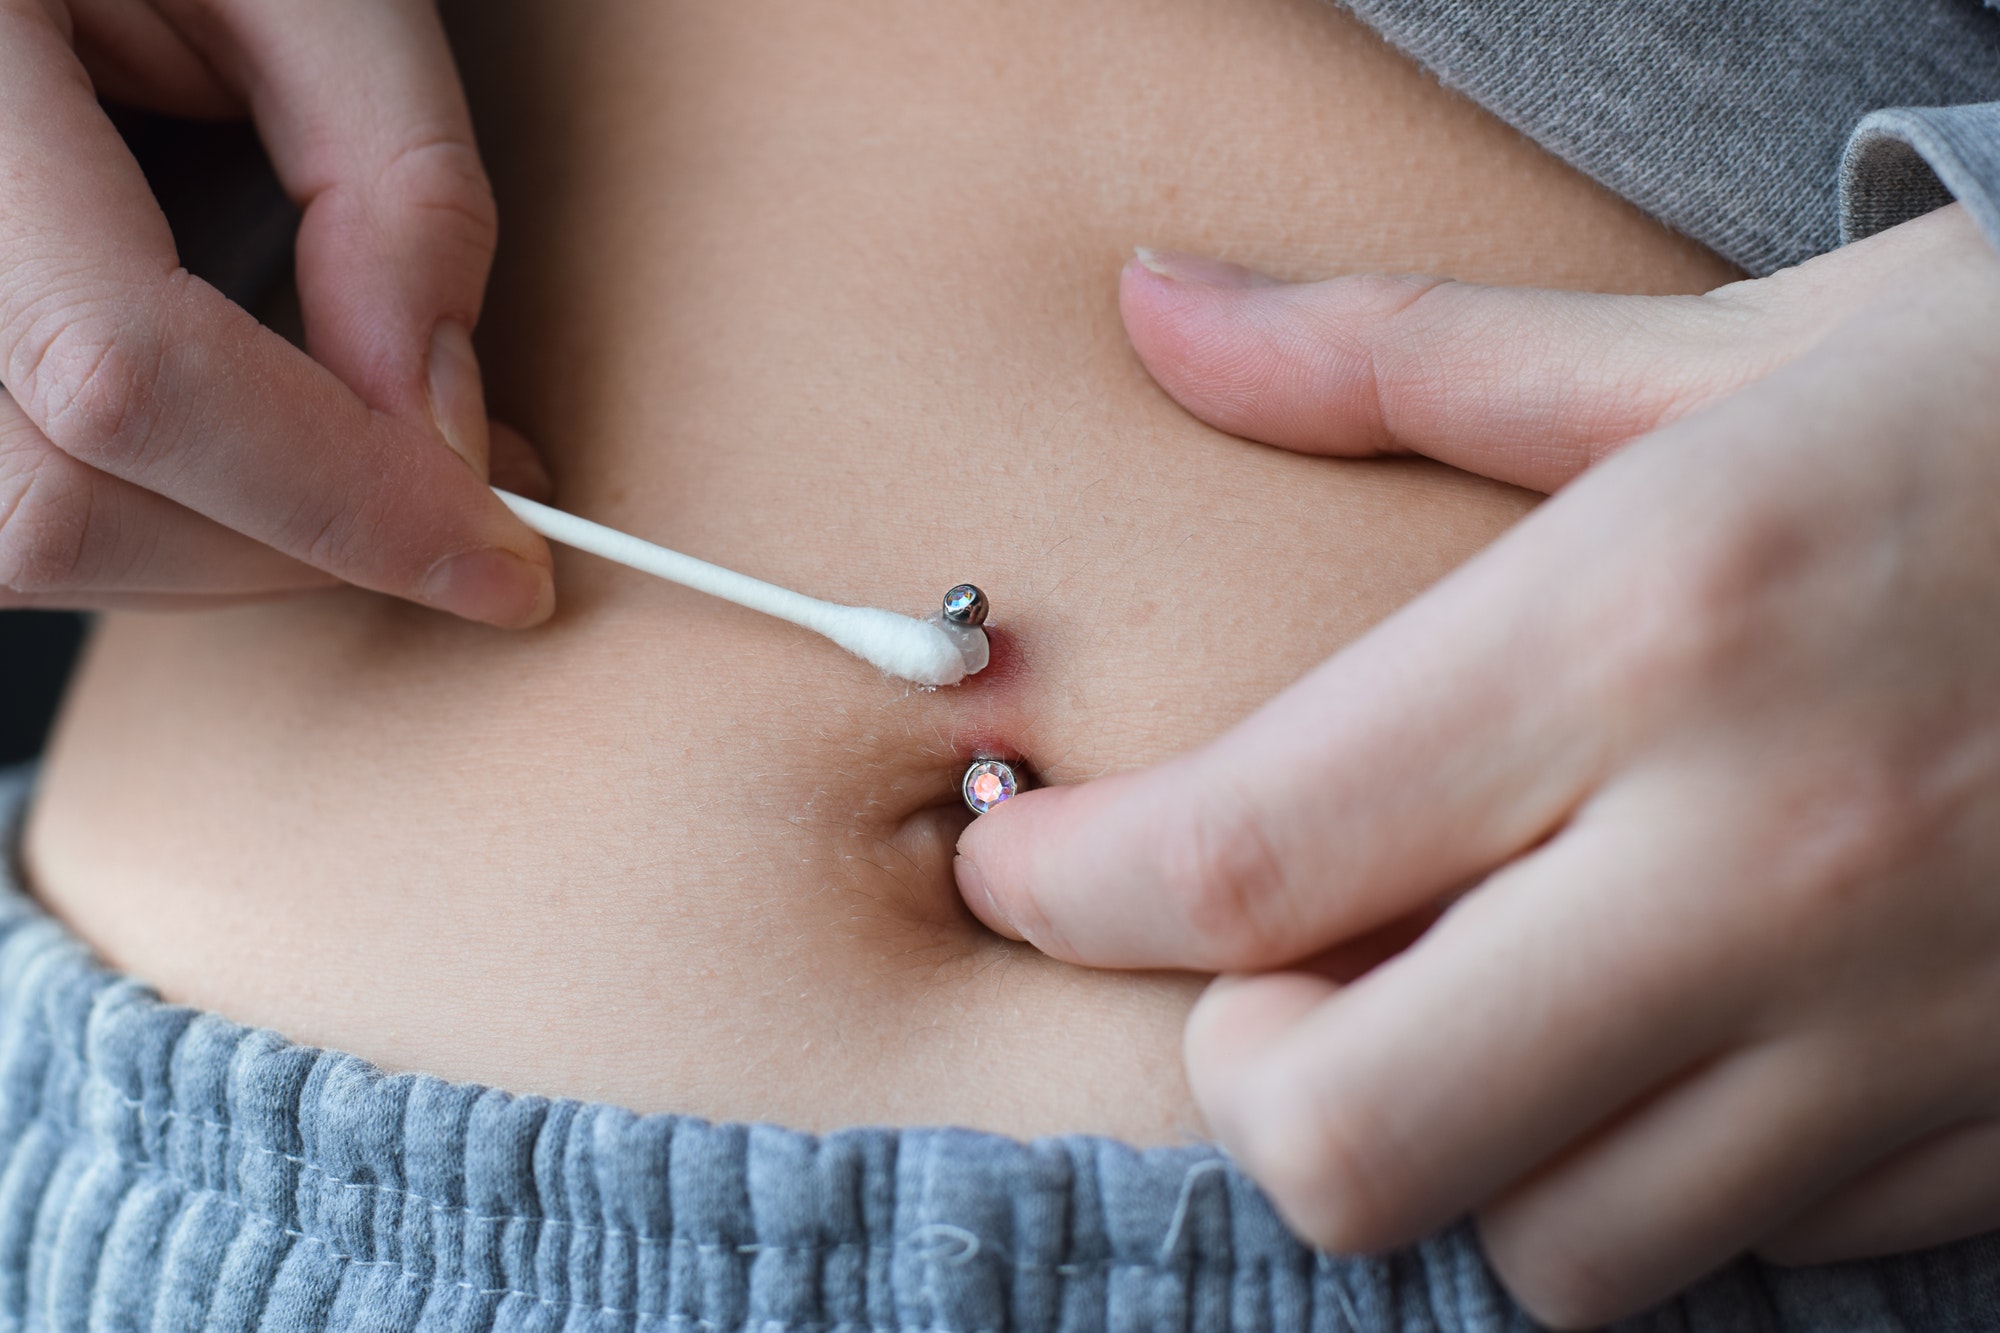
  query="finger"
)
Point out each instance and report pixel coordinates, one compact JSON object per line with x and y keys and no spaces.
{"x":1444,"y":742}
{"x":517,"y":467}
{"x":75,"y":538}
{"x":1692,"y":1178}
{"x":1524,"y":385}
{"x":1561,"y":990}
{"x":131,"y":367}
{"x":137,"y":58}
{"x":1943,"y":1189}
{"x":362,"y":110}
{"x":1239,"y":1017}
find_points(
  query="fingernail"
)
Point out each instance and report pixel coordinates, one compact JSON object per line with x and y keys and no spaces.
{"x":1201,"y":270}
{"x":492,"y":586}
{"x":972,"y":888}
{"x":458,"y":401}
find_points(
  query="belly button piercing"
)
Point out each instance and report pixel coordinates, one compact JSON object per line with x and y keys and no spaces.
{"x":987,"y":782}
{"x":942,"y":650}
{"x":965,"y":605}
{"x":964,"y":613}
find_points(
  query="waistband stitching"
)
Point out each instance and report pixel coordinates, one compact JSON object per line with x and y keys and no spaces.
{"x":431,"y":1282}
{"x":163,"y":1117}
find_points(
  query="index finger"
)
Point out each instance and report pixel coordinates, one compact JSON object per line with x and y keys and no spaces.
{"x":1429,"y":751}
{"x":361,"y":109}
{"x":135,"y":368}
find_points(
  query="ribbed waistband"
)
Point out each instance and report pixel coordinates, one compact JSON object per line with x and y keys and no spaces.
{"x":165,"y":1170}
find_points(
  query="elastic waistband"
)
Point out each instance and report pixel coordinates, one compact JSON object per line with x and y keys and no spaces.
{"x":158,"y":1159}
{"x":165,"y":1170}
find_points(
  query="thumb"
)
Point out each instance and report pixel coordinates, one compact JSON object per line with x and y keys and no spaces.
{"x":1527,"y":386}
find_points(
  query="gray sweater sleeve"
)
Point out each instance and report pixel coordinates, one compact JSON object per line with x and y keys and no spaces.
{"x":1727,"y":119}
{"x":1907,"y":161}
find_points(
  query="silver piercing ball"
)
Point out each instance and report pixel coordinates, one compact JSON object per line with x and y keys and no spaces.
{"x":965,"y":605}
{"x":988,"y":782}
{"x":963,"y":614}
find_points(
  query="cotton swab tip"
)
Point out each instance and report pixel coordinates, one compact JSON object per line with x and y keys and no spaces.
{"x":912,"y":650}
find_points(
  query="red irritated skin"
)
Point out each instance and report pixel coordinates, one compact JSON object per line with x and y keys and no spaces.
{"x":1006,"y":663}
{"x":992,"y":720}
{"x":1715,"y":734}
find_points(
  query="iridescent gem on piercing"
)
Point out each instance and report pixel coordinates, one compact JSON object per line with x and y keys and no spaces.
{"x":988,"y":782}
{"x":965,"y":605}
{"x":964,"y":611}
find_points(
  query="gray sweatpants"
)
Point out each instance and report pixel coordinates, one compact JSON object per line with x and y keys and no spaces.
{"x":167,"y":1171}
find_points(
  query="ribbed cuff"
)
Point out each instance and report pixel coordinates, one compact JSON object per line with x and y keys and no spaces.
{"x":1903,"y":162}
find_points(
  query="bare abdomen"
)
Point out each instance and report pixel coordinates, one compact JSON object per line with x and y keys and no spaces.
{"x":825,"y":292}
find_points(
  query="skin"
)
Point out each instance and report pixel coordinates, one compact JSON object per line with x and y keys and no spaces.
{"x":1700,"y":764}
{"x":828,"y":294}
{"x":157,"y":446}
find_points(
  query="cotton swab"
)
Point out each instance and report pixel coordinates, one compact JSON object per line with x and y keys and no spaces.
{"x":922,"y":652}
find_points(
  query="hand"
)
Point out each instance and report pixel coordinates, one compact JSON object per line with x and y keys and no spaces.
{"x":157,"y":446}
{"x":1700,"y":764}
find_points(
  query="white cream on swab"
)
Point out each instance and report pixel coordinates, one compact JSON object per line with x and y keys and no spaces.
{"x":904,"y":647}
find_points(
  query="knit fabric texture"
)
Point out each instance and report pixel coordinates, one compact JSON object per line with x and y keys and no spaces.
{"x":1907,"y":161}
{"x":1728,"y":120}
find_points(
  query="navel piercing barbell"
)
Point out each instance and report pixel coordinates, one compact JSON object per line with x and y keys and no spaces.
{"x":987,"y":782}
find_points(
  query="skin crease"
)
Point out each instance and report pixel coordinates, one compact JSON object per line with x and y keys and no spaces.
{"x":827,"y":294}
